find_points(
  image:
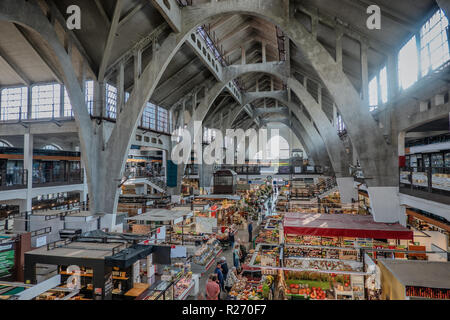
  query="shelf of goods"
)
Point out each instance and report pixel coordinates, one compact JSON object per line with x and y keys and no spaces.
{"x":319,"y":286}
{"x":313,"y":264}
{"x":268,"y":236}
{"x":245,"y":289}
{"x":184,"y":287}
{"x":266,"y":256}
{"x":427,"y":293}
{"x":204,"y":256}
{"x":161,"y":291}
{"x":324,"y":252}
{"x":273,"y":222}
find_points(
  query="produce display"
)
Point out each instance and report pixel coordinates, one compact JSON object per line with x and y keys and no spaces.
{"x":323,"y":264}
{"x":302,"y":251}
{"x":268,"y":236}
{"x":268,"y":257}
{"x":245,"y":290}
{"x":308,"y":285}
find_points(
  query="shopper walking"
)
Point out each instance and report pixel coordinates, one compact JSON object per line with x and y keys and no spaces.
{"x":250,"y":230}
{"x":212,"y":288}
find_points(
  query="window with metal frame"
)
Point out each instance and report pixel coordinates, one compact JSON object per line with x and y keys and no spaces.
{"x":111,"y":101}
{"x":89,"y":85}
{"x":68,"y":112}
{"x":408,"y":64}
{"x":45,"y":101}
{"x":13,"y":103}
{"x":434,"y":51}
{"x":149,"y":116}
{"x":163,"y":120}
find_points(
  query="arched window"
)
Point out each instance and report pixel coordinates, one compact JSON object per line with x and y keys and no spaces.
{"x":5,"y":144}
{"x":51,"y":147}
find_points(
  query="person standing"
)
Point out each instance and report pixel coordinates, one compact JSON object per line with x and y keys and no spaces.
{"x":231,"y":279}
{"x":224,"y":266}
{"x":250,"y":230}
{"x":220,"y":279}
{"x":236,"y":256}
{"x":231,"y":238}
{"x":212,"y":288}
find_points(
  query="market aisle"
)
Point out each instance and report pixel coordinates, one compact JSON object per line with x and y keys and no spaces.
{"x":242,"y":234}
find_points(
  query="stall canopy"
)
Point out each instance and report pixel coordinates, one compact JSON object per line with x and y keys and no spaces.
{"x":343,"y":225}
{"x":162,"y":215}
{"x":129,"y":256}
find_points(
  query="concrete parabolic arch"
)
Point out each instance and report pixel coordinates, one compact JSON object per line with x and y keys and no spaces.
{"x":378,"y":166}
{"x":376,"y":156}
{"x":328,"y":135}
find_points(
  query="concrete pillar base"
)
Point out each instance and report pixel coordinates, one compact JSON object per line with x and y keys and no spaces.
{"x":385,"y":204}
{"x":347,"y":190}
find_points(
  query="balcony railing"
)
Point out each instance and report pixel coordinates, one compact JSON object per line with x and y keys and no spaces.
{"x":435,"y":180}
{"x":55,"y":177}
{"x":13,"y":179}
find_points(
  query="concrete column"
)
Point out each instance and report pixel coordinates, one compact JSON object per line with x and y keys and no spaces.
{"x":319,"y":95}
{"x":26,"y":204}
{"x":314,"y":25}
{"x":339,"y":35}
{"x":385,"y":204}
{"x":61,"y":102}
{"x":347,"y":190}
{"x":164,"y":163}
{"x":29,"y":107}
{"x":84,"y":193}
{"x":264,"y":55}
{"x":99,"y":107}
{"x":401,"y":143}
{"x":365,"y":73}
{"x":120,"y":88}
{"x":137,"y":65}
{"x":243,"y":58}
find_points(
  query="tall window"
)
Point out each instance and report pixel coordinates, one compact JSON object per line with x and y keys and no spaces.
{"x":378,"y":89}
{"x":45,"y":101}
{"x":373,"y":93}
{"x":13,"y":103}
{"x":163,"y":120}
{"x":90,"y":96}
{"x":111,"y":101}
{"x":434,"y":43}
{"x":127,"y":96}
{"x":149,"y":116}
{"x":340,"y":124}
{"x":68,"y":112}
{"x":408,"y":64}
{"x":383,"y":85}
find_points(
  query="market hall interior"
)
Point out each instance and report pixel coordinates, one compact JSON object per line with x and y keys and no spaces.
{"x":152,"y":135}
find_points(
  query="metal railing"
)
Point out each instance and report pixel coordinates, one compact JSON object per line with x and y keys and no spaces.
{"x":13,"y":179}
{"x":57,"y":177}
{"x":427,"y":179}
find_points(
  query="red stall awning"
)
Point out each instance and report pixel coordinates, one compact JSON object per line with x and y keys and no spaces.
{"x":343,"y":225}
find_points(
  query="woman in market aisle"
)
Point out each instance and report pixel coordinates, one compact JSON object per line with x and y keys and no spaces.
{"x":232,"y":278}
{"x":212,"y":288}
{"x":236,"y":255}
